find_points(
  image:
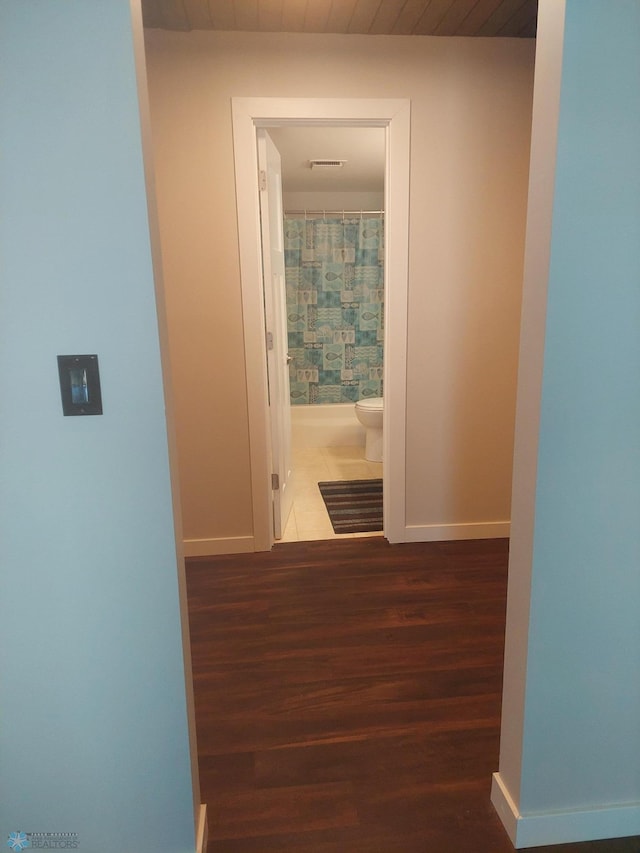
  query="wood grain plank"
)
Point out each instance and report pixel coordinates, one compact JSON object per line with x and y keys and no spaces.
{"x":411,"y":13}
{"x":151,"y":14}
{"x":432,"y":16}
{"x":478,"y":17}
{"x":316,"y":16}
{"x":454,"y":17}
{"x":518,"y":21}
{"x":222,"y":14}
{"x":501,"y":17}
{"x":340,"y":15}
{"x":409,"y":756}
{"x":171,"y":15}
{"x":347,"y":697}
{"x":530,"y":27}
{"x":249,"y":733}
{"x":270,"y":16}
{"x":246,"y":15}
{"x":386,"y":17}
{"x":293,"y":12}
{"x":258,"y":812}
{"x":197,"y":12}
{"x":363,"y":16}
{"x":398,"y":17}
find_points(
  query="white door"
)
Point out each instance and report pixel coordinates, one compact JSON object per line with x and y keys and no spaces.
{"x":275,"y":304}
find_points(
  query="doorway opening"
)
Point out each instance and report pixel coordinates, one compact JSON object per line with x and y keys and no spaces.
{"x":332,"y":191}
{"x":392,"y":116}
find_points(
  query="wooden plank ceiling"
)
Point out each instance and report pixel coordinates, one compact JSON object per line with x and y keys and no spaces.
{"x":502,"y":18}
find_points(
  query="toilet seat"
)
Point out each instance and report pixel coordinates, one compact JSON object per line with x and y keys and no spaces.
{"x":373,"y":403}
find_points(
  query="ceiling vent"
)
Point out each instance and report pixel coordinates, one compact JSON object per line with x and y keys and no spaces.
{"x":327,"y":164}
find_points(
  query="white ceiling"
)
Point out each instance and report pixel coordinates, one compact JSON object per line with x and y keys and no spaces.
{"x":362,"y":147}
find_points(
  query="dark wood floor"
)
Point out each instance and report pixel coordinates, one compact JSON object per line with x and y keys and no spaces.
{"x":348,"y":698}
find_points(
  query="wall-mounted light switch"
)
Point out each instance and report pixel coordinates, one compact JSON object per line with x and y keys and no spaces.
{"x":80,"y":384}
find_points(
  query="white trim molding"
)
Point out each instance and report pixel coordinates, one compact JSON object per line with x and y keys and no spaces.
{"x":562,"y":827}
{"x":445,"y":532}
{"x":393,"y":115}
{"x":222,"y":545}
{"x":202,"y":830}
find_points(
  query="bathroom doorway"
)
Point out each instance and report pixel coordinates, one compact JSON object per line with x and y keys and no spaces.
{"x":332,"y":190}
{"x":392,"y":118}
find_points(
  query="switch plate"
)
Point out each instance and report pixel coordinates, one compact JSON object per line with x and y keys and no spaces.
{"x":80,"y":384}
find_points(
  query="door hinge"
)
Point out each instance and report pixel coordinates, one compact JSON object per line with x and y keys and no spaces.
{"x":275,"y":482}
{"x":269,"y":340}
{"x":262,"y":179}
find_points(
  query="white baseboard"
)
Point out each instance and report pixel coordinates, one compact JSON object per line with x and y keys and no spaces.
{"x":223,"y":545}
{"x":412,"y":533}
{"x":444,"y":532}
{"x":562,"y":827}
{"x":505,"y":806}
{"x":202,"y":831}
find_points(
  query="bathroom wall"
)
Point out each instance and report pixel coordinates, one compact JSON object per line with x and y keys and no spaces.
{"x":332,"y":200}
{"x":334,"y":271}
{"x":470,"y":132}
{"x":326,"y":426}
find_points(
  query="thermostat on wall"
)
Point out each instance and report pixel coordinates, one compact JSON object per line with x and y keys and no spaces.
{"x":80,"y":384}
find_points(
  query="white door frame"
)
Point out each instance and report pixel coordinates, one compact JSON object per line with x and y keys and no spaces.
{"x":394,"y":116}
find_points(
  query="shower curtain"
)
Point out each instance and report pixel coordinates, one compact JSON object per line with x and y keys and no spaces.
{"x":334,"y":268}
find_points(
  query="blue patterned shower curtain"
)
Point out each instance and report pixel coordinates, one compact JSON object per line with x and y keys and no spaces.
{"x":335,"y":308}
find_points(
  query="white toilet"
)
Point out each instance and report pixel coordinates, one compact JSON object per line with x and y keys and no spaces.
{"x":369,"y":413}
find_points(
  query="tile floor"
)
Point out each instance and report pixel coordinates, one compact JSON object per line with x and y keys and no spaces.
{"x":309,"y":519}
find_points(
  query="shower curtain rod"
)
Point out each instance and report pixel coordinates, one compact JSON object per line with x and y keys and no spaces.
{"x":334,"y":212}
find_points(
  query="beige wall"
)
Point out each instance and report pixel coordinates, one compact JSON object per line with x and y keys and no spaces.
{"x":331,"y":201}
{"x":471,"y":109}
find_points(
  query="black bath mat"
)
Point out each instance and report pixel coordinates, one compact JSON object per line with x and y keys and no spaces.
{"x":354,"y":506}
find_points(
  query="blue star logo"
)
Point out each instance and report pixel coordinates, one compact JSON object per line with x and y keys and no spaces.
{"x":18,"y":841}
